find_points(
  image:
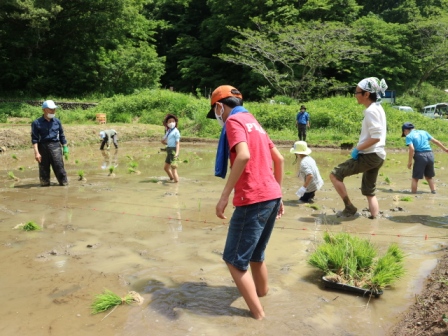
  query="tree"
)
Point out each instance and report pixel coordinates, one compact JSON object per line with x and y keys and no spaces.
{"x":293,"y":59}
{"x":65,"y":47}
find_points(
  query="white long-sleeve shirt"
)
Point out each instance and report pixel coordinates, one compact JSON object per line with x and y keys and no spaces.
{"x":374,"y":126}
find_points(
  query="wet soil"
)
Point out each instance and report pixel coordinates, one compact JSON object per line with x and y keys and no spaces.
{"x":139,"y":232}
{"x":428,"y":316}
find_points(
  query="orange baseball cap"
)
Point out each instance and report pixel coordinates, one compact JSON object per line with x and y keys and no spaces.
{"x":221,"y":92}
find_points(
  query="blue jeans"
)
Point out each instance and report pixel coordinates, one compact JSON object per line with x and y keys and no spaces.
{"x":249,"y":232}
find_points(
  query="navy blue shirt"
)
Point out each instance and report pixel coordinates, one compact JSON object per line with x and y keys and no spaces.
{"x":43,"y":131}
{"x":302,"y":118}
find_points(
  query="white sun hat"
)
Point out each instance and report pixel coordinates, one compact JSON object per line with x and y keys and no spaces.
{"x":300,"y":147}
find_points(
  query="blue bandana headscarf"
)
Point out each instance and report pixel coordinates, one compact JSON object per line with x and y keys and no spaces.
{"x":222,"y":153}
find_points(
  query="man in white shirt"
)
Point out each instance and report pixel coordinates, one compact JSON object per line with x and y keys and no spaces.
{"x":368,"y":156}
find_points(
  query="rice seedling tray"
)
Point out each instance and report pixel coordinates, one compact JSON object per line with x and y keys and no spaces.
{"x":352,"y":289}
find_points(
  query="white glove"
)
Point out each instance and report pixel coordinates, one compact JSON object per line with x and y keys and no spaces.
{"x":301,"y":192}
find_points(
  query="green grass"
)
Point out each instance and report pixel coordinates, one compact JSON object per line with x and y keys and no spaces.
{"x":21,"y":168}
{"x":11,"y":175}
{"x":406,"y":198}
{"x":14,"y":156}
{"x":349,"y":259}
{"x":111,"y":169}
{"x":31,"y":226}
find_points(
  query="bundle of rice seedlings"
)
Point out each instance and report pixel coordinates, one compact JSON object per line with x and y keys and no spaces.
{"x":133,"y":167}
{"x":351,"y":260}
{"x":111,"y":171}
{"x":81,"y":175}
{"x":31,"y":226}
{"x":108,"y":300}
{"x":12,"y":176}
{"x":175,"y":163}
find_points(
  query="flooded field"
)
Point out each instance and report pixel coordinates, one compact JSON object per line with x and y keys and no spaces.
{"x":137,"y":231}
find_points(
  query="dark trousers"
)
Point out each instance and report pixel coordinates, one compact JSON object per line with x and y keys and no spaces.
{"x":307,"y":197}
{"x":51,"y":153}
{"x":106,"y":140}
{"x":302,"y":131}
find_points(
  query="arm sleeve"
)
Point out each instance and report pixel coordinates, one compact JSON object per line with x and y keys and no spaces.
{"x":408,"y":140}
{"x":306,"y":169}
{"x":62,"y":139}
{"x":374,"y":124}
{"x":34,"y":133}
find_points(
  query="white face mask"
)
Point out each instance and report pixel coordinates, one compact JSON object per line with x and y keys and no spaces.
{"x":172,"y":125}
{"x":219,"y":117}
{"x":51,"y":116}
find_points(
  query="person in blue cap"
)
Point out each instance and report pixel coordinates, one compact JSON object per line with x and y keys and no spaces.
{"x":421,"y":153}
{"x":47,"y":136}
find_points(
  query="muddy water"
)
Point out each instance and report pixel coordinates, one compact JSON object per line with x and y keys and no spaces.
{"x":139,"y":232}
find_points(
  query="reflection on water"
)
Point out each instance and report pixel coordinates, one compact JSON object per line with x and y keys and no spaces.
{"x":139,"y":232}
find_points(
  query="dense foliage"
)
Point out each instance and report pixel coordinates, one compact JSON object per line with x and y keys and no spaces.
{"x":302,"y":49}
{"x":333,"y":120}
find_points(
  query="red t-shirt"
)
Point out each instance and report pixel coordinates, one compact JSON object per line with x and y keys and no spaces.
{"x":257,"y":182}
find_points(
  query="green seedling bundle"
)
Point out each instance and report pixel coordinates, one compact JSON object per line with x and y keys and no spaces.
{"x":31,"y":226}
{"x":353,"y":261}
{"x":108,"y":300}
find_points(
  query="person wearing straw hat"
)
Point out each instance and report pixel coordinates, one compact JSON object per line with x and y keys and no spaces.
{"x":308,"y":172}
{"x":256,"y":178}
{"x":47,"y":136}
{"x":420,"y":151}
{"x":368,"y":156}
{"x":108,"y":136}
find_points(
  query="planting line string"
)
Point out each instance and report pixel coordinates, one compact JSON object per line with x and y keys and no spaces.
{"x":425,"y":237}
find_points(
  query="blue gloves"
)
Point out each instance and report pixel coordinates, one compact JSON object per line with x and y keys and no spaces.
{"x":355,"y":153}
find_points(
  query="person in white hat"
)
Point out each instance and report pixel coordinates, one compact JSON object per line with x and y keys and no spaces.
{"x":308,"y":172}
{"x":108,"y":136}
{"x":369,"y":154}
{"x":47,"y":136}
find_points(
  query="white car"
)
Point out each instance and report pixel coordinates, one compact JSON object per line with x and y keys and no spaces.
{"x":403,"y":108}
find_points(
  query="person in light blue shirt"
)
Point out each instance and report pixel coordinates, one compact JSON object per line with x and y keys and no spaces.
{"x":420,"y":151}
{"x":172,"y":141}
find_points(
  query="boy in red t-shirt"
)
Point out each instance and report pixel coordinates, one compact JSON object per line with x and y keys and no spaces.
{"x":257,"y":193}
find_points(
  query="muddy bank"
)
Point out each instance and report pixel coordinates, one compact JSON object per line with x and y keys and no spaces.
{"x":15,"y":136}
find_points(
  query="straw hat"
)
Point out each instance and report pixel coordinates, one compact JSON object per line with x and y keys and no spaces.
{"x":300,"y":147}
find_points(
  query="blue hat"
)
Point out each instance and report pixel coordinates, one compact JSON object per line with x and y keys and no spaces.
{"x":406,"y":125}
{"x":49,"y":104}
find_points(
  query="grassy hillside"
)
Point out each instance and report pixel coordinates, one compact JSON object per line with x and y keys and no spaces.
{"x":333,"y":120}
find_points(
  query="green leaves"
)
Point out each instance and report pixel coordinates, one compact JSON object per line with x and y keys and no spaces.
{"x":292,"y":58}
